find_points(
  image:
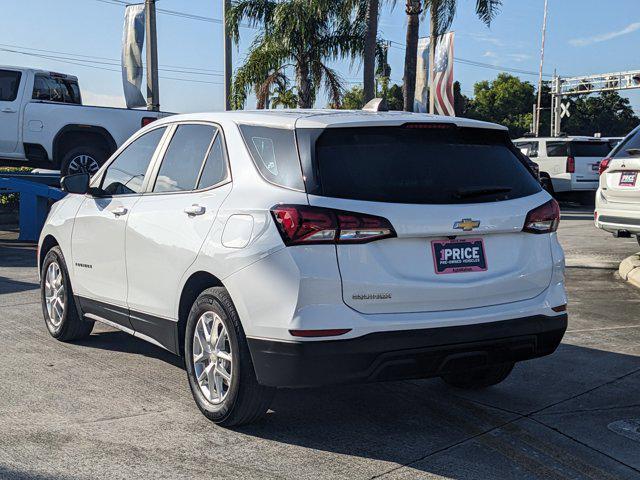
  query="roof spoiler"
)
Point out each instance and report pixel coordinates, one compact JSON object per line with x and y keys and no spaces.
{"x":376,"y":105}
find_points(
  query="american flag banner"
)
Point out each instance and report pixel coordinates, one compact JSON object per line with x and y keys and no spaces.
{"x":442,"y":85}
{"x":421,"y":101}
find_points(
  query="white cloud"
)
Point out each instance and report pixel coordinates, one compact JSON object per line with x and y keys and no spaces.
{"x":518,"y":57}
{"x":102,"y":100}
{"x":603,"y":37}
{"x":490,"y":54}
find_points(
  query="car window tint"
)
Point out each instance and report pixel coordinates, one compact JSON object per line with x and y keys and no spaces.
{"x":275,"y":154}
{"x":182,"y":162}
{"x":589,"y":149}
{"x":631,"y":142}
{"x":557,"y":149}
{"x":420,"y":166}
{"x":529,"y":148}
{"x":127,"y":172}
{"x":215,"y":168}
{"x":9,"y":84}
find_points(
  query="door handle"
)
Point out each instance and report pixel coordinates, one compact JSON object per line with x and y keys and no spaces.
{"x":8,"y":110}
{"x":119,"y":211}
{"x":194,"y":210}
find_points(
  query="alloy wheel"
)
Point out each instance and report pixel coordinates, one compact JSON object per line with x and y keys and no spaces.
{"x":212,"y":357}
{"x":54,"y":294}
{"x":83,"y":164}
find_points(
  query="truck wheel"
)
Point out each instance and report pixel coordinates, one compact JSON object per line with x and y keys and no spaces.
{"x":60,"y":314}
{"x":479,"y":378}
{"x":219,"y":367}
{"x":82,"y":159}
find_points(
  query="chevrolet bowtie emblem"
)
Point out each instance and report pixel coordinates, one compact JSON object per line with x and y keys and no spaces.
{"x":466,"y":224}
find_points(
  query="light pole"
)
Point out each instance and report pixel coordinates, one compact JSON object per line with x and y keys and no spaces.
{"x":228,"y":64}
{"x":153,"y":89}
{"x":536,"y":130}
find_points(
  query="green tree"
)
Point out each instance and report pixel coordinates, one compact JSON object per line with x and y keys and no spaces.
{"x":283,"y":96}
{"x":353,"y":99}
{"x":607,"y":113}
{"x":507,"y":100}
{"x":304,"y":35}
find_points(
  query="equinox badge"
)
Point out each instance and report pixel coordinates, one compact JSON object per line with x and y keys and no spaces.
{"x":466,"y":224}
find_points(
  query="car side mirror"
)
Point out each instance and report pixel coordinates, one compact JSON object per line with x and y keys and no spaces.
{"x":78,"y":183}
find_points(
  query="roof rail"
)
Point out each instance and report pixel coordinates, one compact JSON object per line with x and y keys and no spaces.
{"x":376,"y":105}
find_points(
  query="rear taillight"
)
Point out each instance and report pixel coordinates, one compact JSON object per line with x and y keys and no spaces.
{"x":571,"y":165}
{"x":305,"y":225}
{"x":147,"y":121}
{"x":604,"y":164}
{"x":544,"y":219}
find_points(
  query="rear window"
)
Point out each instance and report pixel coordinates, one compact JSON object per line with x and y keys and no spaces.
{"x":9,"y":84}
{"x":632,"y":142}
{"x":56,"y":89}
{"x":421,"y":166}
{"x":590,"y":149}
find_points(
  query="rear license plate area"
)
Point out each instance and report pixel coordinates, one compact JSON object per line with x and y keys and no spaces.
{"x":628,"y":179}
{"x":459,"y":255}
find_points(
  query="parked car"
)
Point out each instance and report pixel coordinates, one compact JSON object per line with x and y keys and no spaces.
{"x":309,"y":248}
{"x":618,"y":198}
{"x":613,"y":141}
{"x":570,"y":162}
{"x":43,"y":123}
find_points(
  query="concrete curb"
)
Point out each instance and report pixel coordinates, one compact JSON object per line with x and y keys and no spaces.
{"x":629,"y":270}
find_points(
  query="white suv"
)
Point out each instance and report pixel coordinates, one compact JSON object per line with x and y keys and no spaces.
{"x":571,"y":163}
{"x":306,"y":248}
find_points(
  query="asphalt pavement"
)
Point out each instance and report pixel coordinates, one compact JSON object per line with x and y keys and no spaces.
{"x":116,"y":407}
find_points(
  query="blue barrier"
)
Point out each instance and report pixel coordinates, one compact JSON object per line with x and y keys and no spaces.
{"x":35,"y":194}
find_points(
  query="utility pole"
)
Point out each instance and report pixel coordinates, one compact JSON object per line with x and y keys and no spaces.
{"x":153,"y":89}
{"x":228,"y":63}
{"x":544,"y":34}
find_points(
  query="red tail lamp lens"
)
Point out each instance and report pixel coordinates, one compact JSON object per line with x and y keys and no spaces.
{"x":544,"y":219}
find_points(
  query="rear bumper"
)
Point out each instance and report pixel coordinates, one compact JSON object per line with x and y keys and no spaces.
{"x":404,"y":354}
{"x":613,"y":217}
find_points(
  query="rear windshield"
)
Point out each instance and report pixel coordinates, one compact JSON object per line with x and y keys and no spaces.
{"x":420,"y":165}
{"x":632,"y":142}
{"x":56,"y":89}
{"x":590,"y":149}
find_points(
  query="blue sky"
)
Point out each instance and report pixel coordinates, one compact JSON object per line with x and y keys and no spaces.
{"x":583,"y":37}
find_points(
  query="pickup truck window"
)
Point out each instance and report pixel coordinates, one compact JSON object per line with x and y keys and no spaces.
{"x":9,"y":84}
{"x":125,"y":176}
{"x":55,"y":89}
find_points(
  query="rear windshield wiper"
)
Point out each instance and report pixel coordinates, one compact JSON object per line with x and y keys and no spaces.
{"x":480,"y":191}
{"x":633,"y":151}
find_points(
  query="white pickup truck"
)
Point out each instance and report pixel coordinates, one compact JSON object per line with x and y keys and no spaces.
{"x":44,"y":124}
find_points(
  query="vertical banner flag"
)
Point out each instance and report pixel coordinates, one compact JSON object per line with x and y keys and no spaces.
{"x":443,"y":76}
{"x":132,"y":43}
{"x":421,"y":101}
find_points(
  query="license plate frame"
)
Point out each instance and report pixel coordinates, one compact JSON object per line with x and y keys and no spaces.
{"x":628,"y":179}
{"x":471,"y":256}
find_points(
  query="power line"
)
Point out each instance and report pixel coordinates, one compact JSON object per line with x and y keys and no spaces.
{"x":475,"y":63}
{"x":96,"y":65}
{"x":110,"y":61}
{"x":176,"y":13}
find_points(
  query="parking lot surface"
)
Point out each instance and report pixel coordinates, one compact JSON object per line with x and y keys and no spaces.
{"x":117,"y":407}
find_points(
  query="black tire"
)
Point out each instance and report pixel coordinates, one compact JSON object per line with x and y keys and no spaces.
{"x":547,"y":184}
{"x":479,"y":378}
{"x":72,"y":160}
{"x":246,"y":400}
{"x":71,"y":326}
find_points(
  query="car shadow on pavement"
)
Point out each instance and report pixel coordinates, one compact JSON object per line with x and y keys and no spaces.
{"x":430,"y":427}
{"x":117,"y":341}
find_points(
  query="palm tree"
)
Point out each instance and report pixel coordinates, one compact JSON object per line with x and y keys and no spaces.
{"x":413,"y":9}
{"x":369,"y":54}
{"x":284,"y":97}
{"x":442,"y":13}
{"x":303,"y":35}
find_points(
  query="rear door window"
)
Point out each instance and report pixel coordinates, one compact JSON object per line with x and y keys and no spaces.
{"x":274,"y":154}
{"x":529,"y":149}
{"x":420,"y":165}
{"x":557,"y":149}
{"x":184,"y":158}
{"x":9,"y":85}
{"x":589,"y":149}
{"x":215,"y":168}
